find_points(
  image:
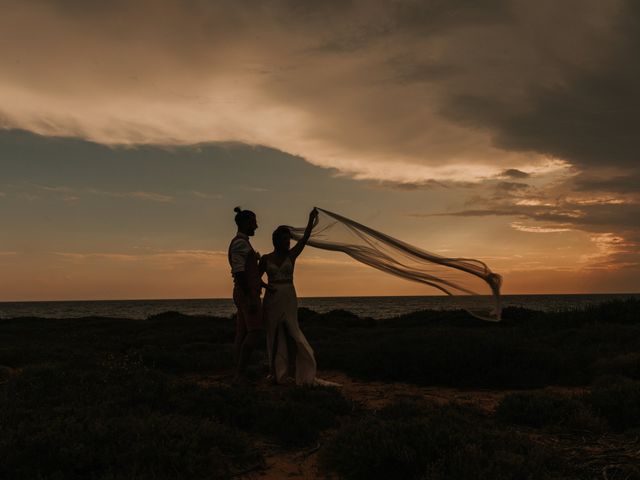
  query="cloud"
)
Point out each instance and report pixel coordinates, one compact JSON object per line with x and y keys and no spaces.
{"x":514,"y":173}
{"x":611,"y":221}
{"x":586,"y":215}
{"x":207,"y":196}
{"x":406,"y":91}
{"x":585,"y":113}
{"x":617,"y":184}
{"x":72,"y":194}
{"x":254,"y":189}
{"x":167,"y":258}
{"x":150,"y":196}
{"x":537,"y":229}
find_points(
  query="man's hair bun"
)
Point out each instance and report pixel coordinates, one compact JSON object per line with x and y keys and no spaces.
{"x":243,"y":215}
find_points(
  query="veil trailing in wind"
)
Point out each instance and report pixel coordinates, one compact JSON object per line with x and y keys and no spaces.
{"x":452,"y":276}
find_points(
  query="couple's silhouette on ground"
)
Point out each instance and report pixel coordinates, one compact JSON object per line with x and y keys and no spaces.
{"x":290,"y":355}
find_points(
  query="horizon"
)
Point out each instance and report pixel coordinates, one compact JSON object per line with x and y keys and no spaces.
{"x":501,"y":131}
{"x":320,"y":297}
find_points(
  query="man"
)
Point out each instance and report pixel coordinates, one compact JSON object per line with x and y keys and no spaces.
{"x":243,"y":260}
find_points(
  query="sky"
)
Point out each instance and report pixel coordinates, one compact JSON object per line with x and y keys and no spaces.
{"x":503,"y":130}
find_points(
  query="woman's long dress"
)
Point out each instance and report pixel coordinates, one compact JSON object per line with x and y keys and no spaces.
{"x":281,"y":311}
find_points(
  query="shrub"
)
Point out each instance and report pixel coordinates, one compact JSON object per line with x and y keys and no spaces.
{"x":618,"y":403}
{"x":148,"y":447}
{"x":546,"y":409}
{"x":300,"y":414}
{"x":196,"y":357}
{"x":452,"y":356}
{"x":108,"y":420}
{"x":293,"y":416}
{"x":627,"y":365}
{"x":438,"y":443}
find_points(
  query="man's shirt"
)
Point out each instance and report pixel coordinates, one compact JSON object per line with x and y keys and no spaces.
{"x":238,"y":251}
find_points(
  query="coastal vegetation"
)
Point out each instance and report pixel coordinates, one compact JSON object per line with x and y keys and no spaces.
{"x":114,"y":398}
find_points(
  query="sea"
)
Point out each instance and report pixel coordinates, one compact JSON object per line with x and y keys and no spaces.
{"x":376,"y":307}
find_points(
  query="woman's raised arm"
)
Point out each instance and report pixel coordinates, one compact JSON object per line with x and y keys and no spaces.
{"x":298,"y":247}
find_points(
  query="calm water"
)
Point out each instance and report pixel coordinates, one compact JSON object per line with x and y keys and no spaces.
{"x":377,"y":307}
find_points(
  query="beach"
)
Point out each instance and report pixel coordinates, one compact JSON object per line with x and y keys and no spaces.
{"x":430,"y":393}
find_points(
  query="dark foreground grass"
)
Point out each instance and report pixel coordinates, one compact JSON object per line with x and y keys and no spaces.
{"x":122,"y":419}
{"x":111,"y":398}
{"x":528,"y":350}
{"x":107,"y":398}
{"x":405,"y":441}
{"x":548,"y":410}
{"x":64,"y":421}
{"x":612,"y":406}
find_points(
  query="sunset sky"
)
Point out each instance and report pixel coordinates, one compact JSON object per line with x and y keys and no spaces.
{"x":503,"y":130}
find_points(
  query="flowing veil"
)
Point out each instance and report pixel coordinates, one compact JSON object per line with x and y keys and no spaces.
{"x":452,"y":276}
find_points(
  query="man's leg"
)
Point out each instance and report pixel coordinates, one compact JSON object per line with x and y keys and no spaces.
{"x":249,"y":344}
{"x":241,"y":333}
{"x":253,"y":325}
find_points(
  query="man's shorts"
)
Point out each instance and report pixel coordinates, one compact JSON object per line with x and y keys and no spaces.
{"x":251,"y":320}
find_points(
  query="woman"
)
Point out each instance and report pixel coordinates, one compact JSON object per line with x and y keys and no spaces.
{"x":290,"y":355}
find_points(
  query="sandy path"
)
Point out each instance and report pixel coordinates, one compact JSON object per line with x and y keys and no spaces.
{"x":375,"y":395}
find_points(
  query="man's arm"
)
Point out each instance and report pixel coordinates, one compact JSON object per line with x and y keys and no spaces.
{"x":242,"y":281}
{"x":252,"y":296}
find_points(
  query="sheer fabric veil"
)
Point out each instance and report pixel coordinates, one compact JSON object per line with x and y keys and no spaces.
{"x":451,"y":276}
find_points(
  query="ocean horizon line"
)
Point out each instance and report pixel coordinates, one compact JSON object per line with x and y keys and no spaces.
{"x":370,"y":306}
{"x":187,"y":299}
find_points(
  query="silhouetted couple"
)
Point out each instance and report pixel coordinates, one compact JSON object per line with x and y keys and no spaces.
{"x":290,"y":355}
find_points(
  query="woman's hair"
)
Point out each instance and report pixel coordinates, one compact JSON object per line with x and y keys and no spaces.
{"x":243,"y":215}
{"x":282,"y":229}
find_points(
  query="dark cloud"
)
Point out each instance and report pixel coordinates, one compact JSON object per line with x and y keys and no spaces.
{"x":511,"y":186}
{"x":588,"y":117}
{"x":408,"y":18}
{"x":514,"y":173}
{"x":605,"y":217}
{"x":616,"y":184}
{"x":408,"y":70}
{"x":433,"y":16}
